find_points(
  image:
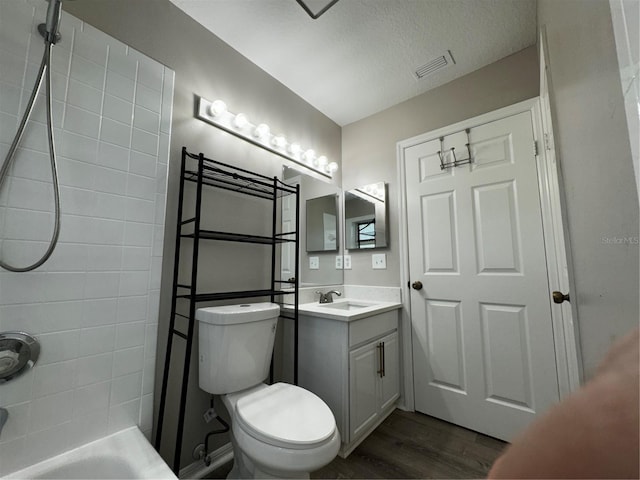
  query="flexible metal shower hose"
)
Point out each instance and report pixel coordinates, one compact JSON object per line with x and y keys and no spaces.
{"x":44,"y":72}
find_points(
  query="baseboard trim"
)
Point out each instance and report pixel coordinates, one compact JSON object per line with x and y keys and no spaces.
{"x":218,"y":458}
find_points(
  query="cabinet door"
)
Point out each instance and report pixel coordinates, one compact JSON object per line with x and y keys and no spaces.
{"x":363,"y":392}
{"x":390,"y":382}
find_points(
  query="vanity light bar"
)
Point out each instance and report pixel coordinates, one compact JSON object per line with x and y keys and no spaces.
{"x":216,"y":114}
{"x":375,"y":191}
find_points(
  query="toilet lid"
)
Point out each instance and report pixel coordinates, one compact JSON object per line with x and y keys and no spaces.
{"x":286,"y":415}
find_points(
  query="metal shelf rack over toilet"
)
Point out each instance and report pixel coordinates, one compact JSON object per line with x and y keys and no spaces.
{"x":203,"y":172}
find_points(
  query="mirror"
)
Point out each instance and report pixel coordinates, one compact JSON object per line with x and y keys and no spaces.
{"x":365,"y":212}
{"x":322,"y":224}
{"x":320,"y":218}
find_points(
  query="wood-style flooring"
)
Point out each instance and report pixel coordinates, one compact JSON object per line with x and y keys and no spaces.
{"x":413,"y":445}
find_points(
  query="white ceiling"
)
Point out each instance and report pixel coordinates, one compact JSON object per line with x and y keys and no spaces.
{"x":360,"y":56}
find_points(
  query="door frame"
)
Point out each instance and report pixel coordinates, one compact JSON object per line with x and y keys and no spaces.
{"x":564,"y":324}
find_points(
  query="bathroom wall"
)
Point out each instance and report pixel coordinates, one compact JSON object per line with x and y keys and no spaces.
{"x":94,"y":305}
{"x":206,"y":66}
{"x":369,"y":145}
{"x":592,"y":142}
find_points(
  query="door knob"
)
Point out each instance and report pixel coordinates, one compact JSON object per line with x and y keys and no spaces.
{"x":417,"y":285}
{"x":559,"y":297}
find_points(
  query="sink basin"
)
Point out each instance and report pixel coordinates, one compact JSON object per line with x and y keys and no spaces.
{"x":346,"y":305}
{"x":346,"y":309}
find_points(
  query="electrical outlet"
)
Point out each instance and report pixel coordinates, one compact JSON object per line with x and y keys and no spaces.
{"x":338,"y":262}
{"x":379,"y":261}
{"x":314,"y":263}
{"x":346,"y":262}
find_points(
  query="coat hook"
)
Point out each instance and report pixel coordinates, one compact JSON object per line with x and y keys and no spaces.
{"x":455,"y":162}
{"x":442,"y":165}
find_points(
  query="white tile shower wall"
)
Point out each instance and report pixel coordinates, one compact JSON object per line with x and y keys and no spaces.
{"x":94,"y":304}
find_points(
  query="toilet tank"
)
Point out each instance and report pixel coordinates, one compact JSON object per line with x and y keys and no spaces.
{"x":235,"y":345}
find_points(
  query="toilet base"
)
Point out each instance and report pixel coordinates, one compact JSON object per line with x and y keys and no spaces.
{"x":244,"y":467}
{"x":254,"y":458}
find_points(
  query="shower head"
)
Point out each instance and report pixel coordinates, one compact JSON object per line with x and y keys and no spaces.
{"x":53,"y":16}
{"x":49,"y":29}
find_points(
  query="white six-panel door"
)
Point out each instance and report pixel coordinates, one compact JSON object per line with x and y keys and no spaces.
{"x":482,"y":336}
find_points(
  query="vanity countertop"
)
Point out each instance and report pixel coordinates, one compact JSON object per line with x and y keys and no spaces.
{"x":346,"y":309}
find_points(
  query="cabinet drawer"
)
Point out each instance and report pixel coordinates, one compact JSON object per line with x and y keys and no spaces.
{"x":367,"y":329}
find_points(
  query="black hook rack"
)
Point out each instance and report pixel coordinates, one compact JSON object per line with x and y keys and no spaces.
{"x":455,"y":162}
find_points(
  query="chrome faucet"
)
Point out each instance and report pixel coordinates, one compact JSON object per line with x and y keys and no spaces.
{"x":4,"y":415}
{"x":328,"y":296}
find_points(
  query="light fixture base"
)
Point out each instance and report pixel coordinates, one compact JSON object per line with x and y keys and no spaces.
{"x":228,"y":122}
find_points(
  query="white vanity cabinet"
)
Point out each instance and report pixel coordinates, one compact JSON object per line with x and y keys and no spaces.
{"x":354,"y":367}
{"x":373,"y":383}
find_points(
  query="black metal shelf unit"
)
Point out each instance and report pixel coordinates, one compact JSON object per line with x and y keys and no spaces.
{"x":212,"y":173}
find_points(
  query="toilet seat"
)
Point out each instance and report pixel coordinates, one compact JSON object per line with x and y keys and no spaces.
{"x":285,"y":416}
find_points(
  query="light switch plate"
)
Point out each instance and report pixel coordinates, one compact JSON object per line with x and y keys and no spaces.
{"x":347,"y":262}
{"x":379,"y":261}
{"x":314,"y":263}
{"x":338,"y":262}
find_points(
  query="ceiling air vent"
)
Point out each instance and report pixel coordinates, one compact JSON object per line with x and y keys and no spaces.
{"x":434,"y":65}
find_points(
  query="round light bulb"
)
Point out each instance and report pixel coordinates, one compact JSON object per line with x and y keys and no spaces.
{"x":322,"y":161}
{"x":294,"y":149}
{"x":241,"y":120}
{"x":279,"y":141}
{"x":261,"y":130}
{"x":309,"y":155}
{"x":332,"y":167}
{"x":217,"y":108}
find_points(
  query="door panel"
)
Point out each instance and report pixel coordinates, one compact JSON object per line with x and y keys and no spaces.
{"x":445,"y":345}
{"x":439,"y":233}
{"x":482,"y":336}
{"x":429,"y":165}
{"x":508,"y":370}
{"x":363,"y":408}
{"x":496,"y":228}
{"x":493,"y":152}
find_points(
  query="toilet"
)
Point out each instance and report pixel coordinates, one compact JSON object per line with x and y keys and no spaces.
{"x":279,"y":430}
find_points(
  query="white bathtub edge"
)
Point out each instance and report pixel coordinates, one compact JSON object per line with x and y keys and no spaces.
{"x":129,"y":445}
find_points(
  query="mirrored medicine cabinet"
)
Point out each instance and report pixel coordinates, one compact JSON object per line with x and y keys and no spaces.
{"x":320,"y":221}
{"x":366,"y":217}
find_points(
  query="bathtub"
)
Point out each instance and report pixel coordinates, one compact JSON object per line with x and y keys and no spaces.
{"x":125,"y":454}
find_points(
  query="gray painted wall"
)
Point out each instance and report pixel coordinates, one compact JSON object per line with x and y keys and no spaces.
{"x":369,"y":145}
{"x":595,"y":157}
{"x":206,"y":66}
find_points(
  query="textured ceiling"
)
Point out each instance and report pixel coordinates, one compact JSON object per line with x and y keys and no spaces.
{"x":358,"y":58}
